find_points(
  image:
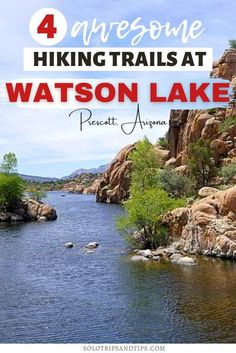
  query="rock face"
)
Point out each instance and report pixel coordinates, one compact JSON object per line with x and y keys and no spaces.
{"x":86,"y":183}
{"x":113,"y":187}
{"x":200,"y":124}
{"x":226,"y":66}
{"x":206,"y":191}
{"x":114,"y":184}
{"x":187,"y":126}
{"x":73,"y":188}
{"x":92,"y":189}
{"x":29,"y":210}
{"x":207,"y":227}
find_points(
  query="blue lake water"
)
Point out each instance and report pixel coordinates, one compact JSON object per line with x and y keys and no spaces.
{"x":52,"y":294}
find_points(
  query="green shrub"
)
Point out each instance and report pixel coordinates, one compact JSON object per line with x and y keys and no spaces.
{"x":143,"y":213}
{"x":227,"y":124}
{"x":11,"y":185}
{"x":212,"y":111}
{"x":11,"y":190}
{"x":148,"y":202}
{"x":9,"y":164}
{"x":163,"y":142}
{"x":232,"y":44}
{"x":37,"y":194}
{"x":201,"y":163}
{"x":176,"y":184}
{"x":228,"y":172}
{"x":145,"y":165}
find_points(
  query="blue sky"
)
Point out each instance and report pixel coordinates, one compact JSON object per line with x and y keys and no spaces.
{"x":46,"y":142}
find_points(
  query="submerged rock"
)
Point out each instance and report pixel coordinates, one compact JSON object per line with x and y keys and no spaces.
{"x":156,"y":258}
{"x":145,"y":253}
{"x":68,"y":245}
{"x":186,"y":261}
{"x":42,"y":219}
{"x":16,"y":218}
{"x":159,"y":252}
{"x":92,"y":245}
{"x":175,"y":257}
{"x":137,"y":258}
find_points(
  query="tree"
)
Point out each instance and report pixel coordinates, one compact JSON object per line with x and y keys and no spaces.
{"x":147,"y":202}
{"x":145,"y":165}
{"x":232,"y":43}
{"x":9,"y":164}
{"x":11,"y":190}
{"x":143,"y":213}
{"x":163,"y":142}
{"x":201,"y":162}
{"x":176,"y":184}
{"x":227,"y":124}
{"x":228,"y":172}
{"x":37,"y":194}
{"x":11,"y":185}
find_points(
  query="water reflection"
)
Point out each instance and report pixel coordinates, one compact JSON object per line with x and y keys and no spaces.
{"x":50,"y":294}
{"x":183,"y":304}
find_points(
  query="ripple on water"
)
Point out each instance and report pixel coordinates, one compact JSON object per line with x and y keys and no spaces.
{"x":52,"y":294}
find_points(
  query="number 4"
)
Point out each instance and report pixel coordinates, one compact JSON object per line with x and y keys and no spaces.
{"x":47,"y":26}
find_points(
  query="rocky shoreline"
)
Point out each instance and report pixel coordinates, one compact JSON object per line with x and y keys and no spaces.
{"x":207,"y":227}
{"x":29,"y":211}
{"x":170,"y":254}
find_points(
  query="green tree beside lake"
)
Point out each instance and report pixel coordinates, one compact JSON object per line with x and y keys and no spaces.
{"x":148,"y":200}
{"x":201,"y":164}
{"x":11,"y":185}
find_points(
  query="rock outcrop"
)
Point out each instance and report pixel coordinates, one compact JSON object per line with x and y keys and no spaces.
{"x":207,"y":227}
{"x":114,"y":184}
{"x":113,"y":187}
{"x":187,"y":126}
{"x":73,"y":187}
{"x":92,"y":189}
{"x":225,"y":67}
{"x":28,"y":211}
{"x":86,"y":183}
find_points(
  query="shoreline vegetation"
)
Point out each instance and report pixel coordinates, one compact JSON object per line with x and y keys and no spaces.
{"x":15,"y":203}
{"x":169,"y":213}
{"x":195,"y":166}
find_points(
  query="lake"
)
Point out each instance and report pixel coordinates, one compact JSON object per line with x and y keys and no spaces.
{"x":52,"y":294}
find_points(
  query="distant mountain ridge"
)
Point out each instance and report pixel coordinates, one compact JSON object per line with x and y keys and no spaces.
{"x":80,"y":171}
{"x":73,"y":175}
{"x":37,"y":179}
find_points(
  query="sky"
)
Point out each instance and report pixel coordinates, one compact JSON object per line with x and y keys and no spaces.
{"x":46,"y":141}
